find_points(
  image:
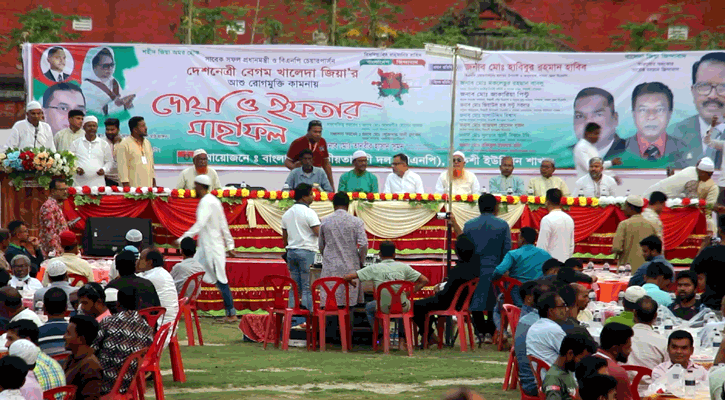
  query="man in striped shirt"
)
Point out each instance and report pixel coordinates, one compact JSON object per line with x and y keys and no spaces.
{"x":51,"y":340}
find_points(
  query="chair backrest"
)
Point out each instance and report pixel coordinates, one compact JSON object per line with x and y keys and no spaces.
{"x":195,"y":280}
{"x":396,"y":301}
{"x":130,"y":366}
{"x":471,"y":286}
{"x":152,"y":315}
{"x":75,"y":278}
{"x":68,"y":392}
{"x":504,"y":285}
{"x":538,"y":365}
{"x":329,"y":285}
{"x":61,"y":357}
{"x":183,"y":302}
{"x":641,"y":373}
{"x":512,"y":315}
{"x":157,"y":346}
{"x":277,"y":297}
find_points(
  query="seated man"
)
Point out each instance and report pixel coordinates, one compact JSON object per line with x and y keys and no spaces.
{"x":20,"y":243}
{"x":200,"y":167}
{"x":134,"y":243}
{"x":506,"y":182}
{"x":631,"y":297}
{"x":119,"y":336}
{"x":126,"y":266}
{"x":559,"y":382}
{"x":576,"y":297}
{"x":530,"y":293}
{"x":544,"y":337}
{"x":385,"y":271}
{"x":151,"y":267}
{"x":57,"y":273}
{"x":13,"y":373}
{"x":539,"y":185}
{"x":359,"y":179}
{"x":402,"y":179}
{"x":50,"y":337}
{"x":11,"y":307}
{"x":189,"y":266}
{"x":28,"y":353}
{"x":23,"y":337}
{"x":596,"y":183}
{"x":73,"y":262}
{"x":652,"y":251}
{"x":464,"y":181}
{"x":82,"y":369}
{"x":21,"y":279}
{"x":92,"y":298}
{"x":523,"y":263}
{"x":680,"y":346}
{"x":686,"y":305}
{"x":648,"y":346}
{"x":309,"y":174}
{"x":657,"y":279}
{"x":616,"y":345}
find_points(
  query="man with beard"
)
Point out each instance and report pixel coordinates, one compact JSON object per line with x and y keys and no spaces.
{"x":314,"y":142}
{"x":595,"y":183}
{"x":359,"y":179}
{"x":308,"y":173}
{"x":596,"y":105}
{"x":464,"y":181}
{"x":560,"y":383}
{"x":113,"y":136}
{"x":135,"y":157}
{"x":616,"y":345}
{"x":686,"y":305}
{"x":64,"y":138}
{"x":200,"y":167}
{"x":60,"y":99}
{"x":502,"y":183}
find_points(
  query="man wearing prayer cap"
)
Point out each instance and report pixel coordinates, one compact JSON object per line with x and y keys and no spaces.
{"x":200,"y":167}
{"x":93,"y":155}
{"x":134,"y":243}
{"x":66,"y":136}
{"x":28,"y":352}
{"x":57,"y":274}
{"x":359,"y":179}
{"x":31,"y":132}
{"x":630,"y":232}
{"x":214,"y":242}
{"x":691,"y":182}
{"x":464,"y":181}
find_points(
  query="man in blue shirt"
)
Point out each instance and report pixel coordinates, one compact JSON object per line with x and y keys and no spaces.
{"x":530,"y":292}
{"x":309,"y":174}
{"x":525,"y":262}
{"x":652,"y":251}
{"x":657,"y":278}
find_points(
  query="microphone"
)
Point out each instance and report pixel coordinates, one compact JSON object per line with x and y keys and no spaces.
{"x":35,"y":140}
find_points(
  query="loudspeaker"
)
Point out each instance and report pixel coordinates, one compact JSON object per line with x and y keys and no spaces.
{"x":104,"y":237}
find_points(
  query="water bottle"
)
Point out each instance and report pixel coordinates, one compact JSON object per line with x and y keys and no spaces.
{"x":39,"y":308}
{"x":716,"y":339}
{"x":531,"y":191}
{"x":606,"y":266}
{"x":590,"y":266}
{"x":668,"y":326}
{"x":510,"y":191}
{"x":598,"y":316}
{"x":627,"y":270}
{"x":581,"y":192}
{"x":659,"y":320}
{"x":620,"y":271}
{"x":592,"y":296}
{"x":483,"y":189}
{"x":674,"y":377}
{"x":285,"y":187}
{"x":621,"y":299}
{"x":690,"y":383}
{"x":627,"y":192}
{"x":244,"y":184}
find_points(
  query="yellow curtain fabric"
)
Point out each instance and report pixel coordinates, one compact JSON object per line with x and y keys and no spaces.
{"x":393,"y":219}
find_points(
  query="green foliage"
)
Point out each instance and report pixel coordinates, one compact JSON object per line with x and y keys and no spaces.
{"x":541,"y":37}
{"x":216,"y":25}
{"x":284,"y":204}
{"x":231,"y":200}
{"x":144,"y":196}
{"x":81,"y":200}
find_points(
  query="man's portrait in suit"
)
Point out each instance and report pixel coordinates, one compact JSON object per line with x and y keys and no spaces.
{"x":57,"y":70}
{"x":652,"y":105}
{"x":708,"y":94}
{"x":596,"y":105}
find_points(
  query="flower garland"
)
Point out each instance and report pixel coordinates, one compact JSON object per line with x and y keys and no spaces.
{"x":38,"y":163}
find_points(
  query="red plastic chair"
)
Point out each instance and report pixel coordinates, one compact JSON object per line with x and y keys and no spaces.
{"x":641,"y":373}
{"x":396,"y":311}
{"x":75,"y":278}
{"x":463,"y":316}
{"x":68,"y":392}
{"x":524,"y":396}
{"x":152,"y":315}
{"x":279,"y":311}
{"x":190,"y":310}
{"x":331,"y":308}
{"x":537,"y":365}
{"x":61,"y":357}
{"x":510,"y":379}
{"x":177,"y":364}
{"x":132,"y":392}
{"x":151,"y":362}
{"x":504,"y":285}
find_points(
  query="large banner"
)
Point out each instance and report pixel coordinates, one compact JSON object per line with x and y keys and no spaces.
{"x":246,"y":104}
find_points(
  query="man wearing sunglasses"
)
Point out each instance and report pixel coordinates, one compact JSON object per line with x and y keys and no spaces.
{"x":464,"y":181}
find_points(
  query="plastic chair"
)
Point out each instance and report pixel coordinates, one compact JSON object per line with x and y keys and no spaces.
{"x":279,"y":311}
{"x":512,"y":372}
{"x":331,"y":308}
{"x":190,"y":310}
{"x":177,"y":364}
{"x":75,"y":278}
{"x":524,"y":396}
{"x":61,"y":357}
{"x":641,"y":373}
{"x":152,"y":315}
{"x":151,"y":362}
{"x":132,"y":390}
{"x":68,"y":392}
{"x":463,"y":316}
{"x":537,"y":365}
{"x":396,"y":311}
{"x":504,"y":285}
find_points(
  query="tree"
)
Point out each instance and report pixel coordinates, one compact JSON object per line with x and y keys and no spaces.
{"x":369,"y":24}
{"x":216,"y":25}
{"x":40,"y":25}
{"x":328,"y":16}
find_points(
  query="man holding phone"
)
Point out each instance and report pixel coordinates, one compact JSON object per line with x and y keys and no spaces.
{"x":52,"y":219}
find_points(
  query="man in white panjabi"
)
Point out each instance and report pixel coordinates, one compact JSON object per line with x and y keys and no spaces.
{"x":215,"y":242}
{"x":595,"y":183}
{"x":200,"y":167}
{"x":464,"y":181}
{"x":402,"y":179}
{"x":556,"y":232}
{"x":31,"y":132}
{"x":585,"y":150}
{"x":93,"y":155}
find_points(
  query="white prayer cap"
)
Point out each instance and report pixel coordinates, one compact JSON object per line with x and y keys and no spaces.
{"x":706,"y":165}
{"x":134,"y":235}
{"x":203,"y":180}
{"x":26,"y":350}
{"x":198,"y":151}
{"x":33,"y":105}
{"x":56,"y":268}
{"x":635,"y":200}
{"x":89,"y":118}
{"x":359,"y":154}
{"x":460,"y":153}
{"x":111,"y":295}
{"x":634,"y":293}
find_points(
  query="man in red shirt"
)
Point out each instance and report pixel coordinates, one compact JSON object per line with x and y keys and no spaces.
{"x":312,"y":140}
{"x":616,"y":346}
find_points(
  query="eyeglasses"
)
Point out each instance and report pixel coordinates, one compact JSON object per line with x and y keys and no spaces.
{"x":64,"y":108}
{"x":705,"y":88}
{"x":457,"y":160}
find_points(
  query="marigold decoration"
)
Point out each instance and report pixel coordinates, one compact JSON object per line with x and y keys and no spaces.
{"x":388,"y":196}
{"x":323,"y":196}
{"x":458,"y":198}
{"x":686,"y":201}
{"x":232,"y":192}
{"x":570,"y":201}
{"x":86,"y":190}
{"x":702,"y":203}
{"x":174,"y":193}
{"x":273,"y":195}
{"x":419,"y":197}
{"x":595,"y":202}
{"x":368,"y":196}
{"x":396,"y":196}
{"x":192,"y":193}
{"x":245,"y":192}
{"x":511,"y":199}
{"x":424,"y":196}
{"x":126,"y":189}
{"x":376,"y":196}
{"x":582,"y":201}
{"x":139,"y":190}
{"x":72,"y":191}
{"x":181,"y":193}
{"x":226,"y":193}
{"x":437,"y":197}
{"x":524,"y":199}
{"x":406,"y":196}
{"x":473,"y":197}
{"x":444,"y":197}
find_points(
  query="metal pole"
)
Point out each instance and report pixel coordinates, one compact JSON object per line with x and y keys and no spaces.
{"x":451,"y":139}
{"x":254,"y":25}
{"x":334,"y":21}
{"x":190,"y":21}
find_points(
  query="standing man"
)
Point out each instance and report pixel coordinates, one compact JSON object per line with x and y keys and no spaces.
{"x":625,"y":245}
{"x":113,"y":137}
{"x":300,"y":230}
{"x":595,"y":183}
{"x":135,"y":157}
{"x":541,"y":184}
{"x":465,"y":182}
{"x":359,"y":179}
{"x":402,"y":179}
{"x":556,"y":233}
{"x":31,"y":132}
{"x":492,"y":239}
{"x":52,"y":219}
{"x":200,"y":167}
{"x":308,"y":173}
{"x":652,"y":213}
{"x":313,"y":141}
{"x":502,"y":183}
{"x":93,"y":156}
{"x":215,"y":242}
{"x":343,"y":245}
{"x":586,"y":149}
{"x":596,"y":105}
{"x":64,"y":138}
